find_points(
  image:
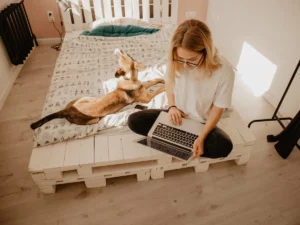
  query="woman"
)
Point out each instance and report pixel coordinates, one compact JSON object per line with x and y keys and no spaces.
{"x":199,"y":87}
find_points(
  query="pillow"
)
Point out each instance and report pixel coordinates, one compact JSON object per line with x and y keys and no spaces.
{"x":104,"y":21}
{"x":119,"y":31}
{"x":134,"y":21}
{"x":118,"y":21}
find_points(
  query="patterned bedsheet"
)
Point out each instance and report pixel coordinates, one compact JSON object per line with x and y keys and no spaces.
{"x":86,"y":67}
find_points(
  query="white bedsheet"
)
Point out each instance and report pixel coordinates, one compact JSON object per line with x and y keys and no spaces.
{"x":86,"y":67}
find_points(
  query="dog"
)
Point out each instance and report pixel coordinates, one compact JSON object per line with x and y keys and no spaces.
{"x":90,"y":110}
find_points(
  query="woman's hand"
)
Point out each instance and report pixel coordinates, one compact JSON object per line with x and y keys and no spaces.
{"x":198,"y":147}
{"x":176,"y":115}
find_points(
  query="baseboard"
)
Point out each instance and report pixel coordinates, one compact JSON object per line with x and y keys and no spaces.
{"x":48,"y":41}
{"x":15,"y":72}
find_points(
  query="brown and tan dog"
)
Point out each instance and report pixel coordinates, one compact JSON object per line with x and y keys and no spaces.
{"x":89,"y":110}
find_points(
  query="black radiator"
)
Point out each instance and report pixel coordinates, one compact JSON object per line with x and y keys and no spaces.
{"x":16,"y":33}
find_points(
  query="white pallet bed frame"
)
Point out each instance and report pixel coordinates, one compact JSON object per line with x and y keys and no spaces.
{"x":95,"y":158}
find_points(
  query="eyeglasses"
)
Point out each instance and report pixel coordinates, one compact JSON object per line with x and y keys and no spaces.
{"x":189,"y":63}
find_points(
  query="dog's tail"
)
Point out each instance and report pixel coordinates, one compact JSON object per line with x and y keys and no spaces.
{"x":59,"y":114}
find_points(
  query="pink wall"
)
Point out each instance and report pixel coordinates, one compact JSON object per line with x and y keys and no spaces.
{"x":199,"y":6}
{"x":37,"y":13}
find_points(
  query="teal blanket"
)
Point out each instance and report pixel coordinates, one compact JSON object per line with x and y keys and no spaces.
{"x":119,"y":31}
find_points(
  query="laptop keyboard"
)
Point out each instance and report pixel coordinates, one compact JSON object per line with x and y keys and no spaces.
{"x":161,"y":146}
{"x":175,"y":135}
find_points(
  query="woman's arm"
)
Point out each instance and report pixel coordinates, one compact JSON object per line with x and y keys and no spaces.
{"x":170,"y":95}
{"x":175,"y":113}
{"x":213,"y":118}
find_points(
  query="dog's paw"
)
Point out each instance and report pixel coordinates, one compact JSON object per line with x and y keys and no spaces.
{"x":162,"y":89}
{"x":159,"y":80}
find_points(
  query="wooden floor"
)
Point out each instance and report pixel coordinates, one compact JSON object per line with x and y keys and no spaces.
{"x":266,"y":191}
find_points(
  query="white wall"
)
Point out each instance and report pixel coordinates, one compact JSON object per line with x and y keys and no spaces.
{"x":272,"y":28}
{"x":8,"y":72}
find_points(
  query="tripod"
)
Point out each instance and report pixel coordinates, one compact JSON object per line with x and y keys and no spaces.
{"x":275,"y":117}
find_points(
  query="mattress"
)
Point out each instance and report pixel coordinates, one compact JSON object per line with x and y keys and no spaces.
{"x":85,"y":67}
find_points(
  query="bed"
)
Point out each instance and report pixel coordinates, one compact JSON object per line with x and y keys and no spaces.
{"x":66,"y":153}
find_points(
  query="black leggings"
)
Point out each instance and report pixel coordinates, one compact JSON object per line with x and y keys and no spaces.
{"x":216,"y":145}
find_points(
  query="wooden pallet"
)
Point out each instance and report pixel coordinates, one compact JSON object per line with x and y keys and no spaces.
{"x":92,"y":159}
{"x":142,"y":170}
{"x":96,"y":158}
{"x":201,"y":164}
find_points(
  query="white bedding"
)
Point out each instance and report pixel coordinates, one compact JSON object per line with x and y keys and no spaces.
{"x":86,"y":67}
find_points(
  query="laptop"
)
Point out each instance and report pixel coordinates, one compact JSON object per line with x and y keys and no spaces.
{"x":176,"y":141}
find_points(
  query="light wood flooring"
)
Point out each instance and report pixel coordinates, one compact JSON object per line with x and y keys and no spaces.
{"x":265,"y":191}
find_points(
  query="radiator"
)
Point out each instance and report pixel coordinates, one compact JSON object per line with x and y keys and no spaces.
{"x":16,"y":33}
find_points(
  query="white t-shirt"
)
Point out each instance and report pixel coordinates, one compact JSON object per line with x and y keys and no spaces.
{"x":195,"y":96}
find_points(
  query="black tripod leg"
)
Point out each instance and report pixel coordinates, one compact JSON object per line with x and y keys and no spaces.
{"x":262,"y":120}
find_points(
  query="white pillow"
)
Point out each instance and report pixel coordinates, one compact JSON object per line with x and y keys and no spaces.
{"x":134,"y":21}
{"x":118,"y":21}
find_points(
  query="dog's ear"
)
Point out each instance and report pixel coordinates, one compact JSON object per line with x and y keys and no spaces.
{"x":118,"y":52}
{"x":120,"y":72}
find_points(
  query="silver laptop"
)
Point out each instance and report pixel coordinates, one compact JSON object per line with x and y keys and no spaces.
{"x":176,"y":141}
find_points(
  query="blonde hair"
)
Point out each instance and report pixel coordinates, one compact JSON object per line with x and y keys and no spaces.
{"x":195,"y":36}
